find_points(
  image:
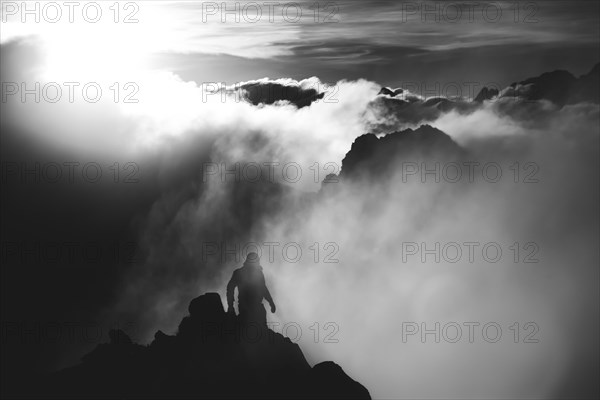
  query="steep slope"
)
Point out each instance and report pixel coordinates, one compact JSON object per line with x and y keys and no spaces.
{"x":211,"y":356}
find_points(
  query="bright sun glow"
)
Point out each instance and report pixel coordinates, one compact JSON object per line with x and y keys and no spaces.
{"x":97,"y":55}
{"x":97,"y":52}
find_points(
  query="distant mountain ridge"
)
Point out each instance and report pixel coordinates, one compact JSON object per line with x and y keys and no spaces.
{"x":560,"y":87}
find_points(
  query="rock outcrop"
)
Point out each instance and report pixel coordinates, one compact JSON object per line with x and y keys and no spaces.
{"x":371,"y":155}
{"x":212,"y":356}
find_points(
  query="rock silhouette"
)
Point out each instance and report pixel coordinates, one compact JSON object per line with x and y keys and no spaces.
{"x":390,"y":92}
{"x":212,"y":355}
{"x":371,"y":155}
{"x":554,"y":86}
{"x":486,"y":94}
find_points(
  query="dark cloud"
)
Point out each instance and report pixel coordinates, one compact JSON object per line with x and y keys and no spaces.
{"x":301,"y":94}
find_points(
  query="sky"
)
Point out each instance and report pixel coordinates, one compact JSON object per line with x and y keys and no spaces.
{"x":384,"y":41}
{"x":152,"y":192}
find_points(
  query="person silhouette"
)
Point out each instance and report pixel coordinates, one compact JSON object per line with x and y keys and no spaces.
{"x":252,"y":289}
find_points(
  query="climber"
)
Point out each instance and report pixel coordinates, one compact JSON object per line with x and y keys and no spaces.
{"x":252,"y":289}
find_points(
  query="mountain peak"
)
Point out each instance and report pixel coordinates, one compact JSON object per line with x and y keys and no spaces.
{"x":390,"y":92}
{"x":372,"y":155}
{"x":486,"y":94}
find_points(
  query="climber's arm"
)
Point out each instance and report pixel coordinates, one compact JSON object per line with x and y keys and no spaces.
{"x":269,"y":299}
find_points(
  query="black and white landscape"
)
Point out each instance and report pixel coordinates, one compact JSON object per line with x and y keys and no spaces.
{"x":383,"y":199}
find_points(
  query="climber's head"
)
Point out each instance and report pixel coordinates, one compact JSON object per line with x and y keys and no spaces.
{"x":252,"y":259}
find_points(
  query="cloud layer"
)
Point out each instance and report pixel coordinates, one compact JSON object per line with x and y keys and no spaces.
{"x":545,"y":201}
